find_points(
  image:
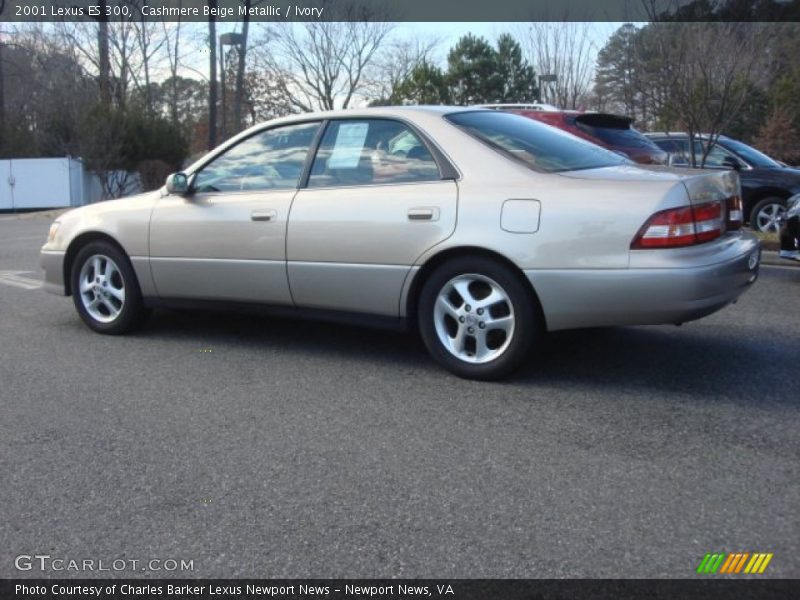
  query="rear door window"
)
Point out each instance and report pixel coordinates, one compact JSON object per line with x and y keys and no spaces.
{"x":371,"y":152}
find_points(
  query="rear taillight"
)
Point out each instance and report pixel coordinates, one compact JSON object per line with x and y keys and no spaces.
{"x":735,"y":213}
{"x":678,"y":227}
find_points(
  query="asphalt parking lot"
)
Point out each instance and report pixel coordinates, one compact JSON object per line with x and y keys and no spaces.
{"x":261,"y":447}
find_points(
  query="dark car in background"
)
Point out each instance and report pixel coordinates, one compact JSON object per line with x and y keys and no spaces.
{"x":614,"y":132}
{"x":766,"y":183}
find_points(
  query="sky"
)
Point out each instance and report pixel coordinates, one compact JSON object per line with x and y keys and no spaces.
{"x":449,"y":33}
{"x":196,"y":63}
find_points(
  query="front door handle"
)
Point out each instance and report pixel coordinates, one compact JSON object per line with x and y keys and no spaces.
{"x":263,"y":215}
{"x":423,"y":214}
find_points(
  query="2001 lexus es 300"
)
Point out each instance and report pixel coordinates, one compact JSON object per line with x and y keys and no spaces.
{"x":483,"y":229}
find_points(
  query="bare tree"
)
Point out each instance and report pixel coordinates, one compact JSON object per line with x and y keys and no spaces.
{"x":103,"y":61}
{"x":320,"y":64}
{"x":174,"y":60}
{"x":705,"y":72}
{"x":48,"y":92}
{"x":152,"y":40}
{"x":105,"y":49}
{"x":562,"y":53}
{"x":395,"y":63}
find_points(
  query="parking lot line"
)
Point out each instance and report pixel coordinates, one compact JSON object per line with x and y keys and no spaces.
{"x":16,"y":279}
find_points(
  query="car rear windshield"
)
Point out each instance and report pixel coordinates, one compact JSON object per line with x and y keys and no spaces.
{"x":540,"y":146}
{"x":616,"y":133}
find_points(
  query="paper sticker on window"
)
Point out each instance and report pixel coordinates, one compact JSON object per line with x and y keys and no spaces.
{"x":348,"y":146}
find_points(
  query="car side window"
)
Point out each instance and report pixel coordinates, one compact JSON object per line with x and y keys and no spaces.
{"x":371,"y":152}
{"x":679,"y":149}
{"x":269,"y":160}
{"x":716,"y":157}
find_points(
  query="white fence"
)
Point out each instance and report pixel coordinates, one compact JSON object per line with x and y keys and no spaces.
{"x":28,"y":183}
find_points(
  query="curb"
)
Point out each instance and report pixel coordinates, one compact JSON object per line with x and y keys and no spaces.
{"x":49,"y":213}
{"x":773,"y":260}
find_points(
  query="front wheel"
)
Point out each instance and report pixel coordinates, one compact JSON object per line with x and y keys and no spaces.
{"x":104,"y":289}
{"x":766,"y":215}
{"x":476,"y":318}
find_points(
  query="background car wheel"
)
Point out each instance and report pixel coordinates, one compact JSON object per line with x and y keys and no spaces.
{"x":476,"y":318}
{"x":766,"y":214}
{"x":105,"y":290}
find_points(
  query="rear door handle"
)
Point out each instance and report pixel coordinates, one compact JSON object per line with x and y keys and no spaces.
{"x":423,"y":214}
{"x":263,"y":215}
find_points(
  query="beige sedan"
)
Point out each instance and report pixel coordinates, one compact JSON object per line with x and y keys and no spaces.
{"x":480,"y":228}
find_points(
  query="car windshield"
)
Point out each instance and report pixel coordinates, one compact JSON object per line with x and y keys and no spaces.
{"x":540,"y":146}
{"x":751,"y":155}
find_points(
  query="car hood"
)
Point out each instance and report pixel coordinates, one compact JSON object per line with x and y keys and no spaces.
{"x":130,"y":203}
{"x":125,"y":220}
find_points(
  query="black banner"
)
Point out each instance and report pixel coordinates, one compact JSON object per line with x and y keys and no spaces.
{"x":400,"y":11}
{"x":398,"y":589}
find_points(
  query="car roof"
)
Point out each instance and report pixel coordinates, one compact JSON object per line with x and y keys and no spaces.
{"x":366,"y":112}
{"x":371,"y":111}
{"x":682,"y":134}
{"x":540,"y":106}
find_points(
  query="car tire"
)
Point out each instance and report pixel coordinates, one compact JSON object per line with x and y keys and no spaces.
{"x":766,"y":214}
{"x":477,"y":318}
{"x":105,"y":291}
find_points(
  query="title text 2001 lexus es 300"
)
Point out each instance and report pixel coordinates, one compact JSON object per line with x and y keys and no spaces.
{"x":483,"y":229}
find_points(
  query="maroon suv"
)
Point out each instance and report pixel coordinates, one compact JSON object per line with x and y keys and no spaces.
{"x":610,"y":131}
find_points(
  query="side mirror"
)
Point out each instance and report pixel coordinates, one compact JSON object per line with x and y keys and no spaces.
{"x":731,"y":163}
{"x":177,"y":183}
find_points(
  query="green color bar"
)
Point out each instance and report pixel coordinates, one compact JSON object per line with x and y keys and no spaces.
{"x":701,"y":568}
{"x":715,"y":563}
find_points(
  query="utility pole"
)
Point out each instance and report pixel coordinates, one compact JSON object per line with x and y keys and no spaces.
{"x":212,"y":80}
{"x":2,"y":90}
{"x":226,"y":39}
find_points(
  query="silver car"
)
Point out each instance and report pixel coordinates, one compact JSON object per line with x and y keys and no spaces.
{"x":482,"y":229}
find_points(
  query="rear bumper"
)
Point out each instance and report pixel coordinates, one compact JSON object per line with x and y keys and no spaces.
{"x":53,"y":264}
{"x":659,"y":293}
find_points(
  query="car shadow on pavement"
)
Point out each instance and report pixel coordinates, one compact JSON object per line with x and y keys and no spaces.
{"x":259,"y":331}
{"x":704,"y":362}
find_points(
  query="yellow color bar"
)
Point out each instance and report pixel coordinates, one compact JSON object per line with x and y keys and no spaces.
{"x":755,"y":563}
{"x":765,"y":563}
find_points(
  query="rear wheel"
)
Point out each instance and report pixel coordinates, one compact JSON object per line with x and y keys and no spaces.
{"x":766,"y":214}
{"x":104,"y":289}
{"x":476,"y":318}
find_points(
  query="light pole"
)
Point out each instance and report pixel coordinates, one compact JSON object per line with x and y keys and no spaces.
{"x":2,"y":91}
{"x":226,"y":39}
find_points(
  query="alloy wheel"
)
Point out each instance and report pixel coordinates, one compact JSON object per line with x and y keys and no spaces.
{"x":768,"y":218}
{"x":474,"y":318}
{"x":102,"y":288}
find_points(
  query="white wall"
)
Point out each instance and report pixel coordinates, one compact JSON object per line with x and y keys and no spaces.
{"x":28,"y":183}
